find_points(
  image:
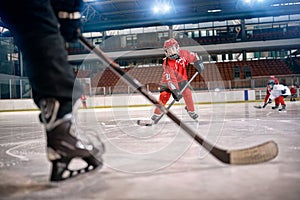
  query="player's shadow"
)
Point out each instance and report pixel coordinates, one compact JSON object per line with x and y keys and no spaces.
{"x":13,"y":190}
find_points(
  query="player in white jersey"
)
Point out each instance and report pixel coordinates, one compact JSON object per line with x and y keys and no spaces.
{"x":278,"y":91}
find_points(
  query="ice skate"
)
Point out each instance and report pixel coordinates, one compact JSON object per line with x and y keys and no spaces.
{"x":275,"y":107}
{"x":64,"y":143}
{"x":193,"y":115}
{"x":282,"y":109}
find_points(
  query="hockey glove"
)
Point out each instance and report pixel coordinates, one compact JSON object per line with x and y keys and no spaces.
{"x":199,"y":66}
{"x":69,"y":17}
{"x":176,"y":95}
{"x":283,"y":91}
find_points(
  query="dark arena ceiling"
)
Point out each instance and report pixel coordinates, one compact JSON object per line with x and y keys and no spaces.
{"x":100,"y":15}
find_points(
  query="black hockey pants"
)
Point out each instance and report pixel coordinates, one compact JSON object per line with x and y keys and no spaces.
{"x":35,"y":30}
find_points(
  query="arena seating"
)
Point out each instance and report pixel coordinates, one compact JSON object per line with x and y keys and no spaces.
{"x":214,"y":72}
{"x":83,"y":73}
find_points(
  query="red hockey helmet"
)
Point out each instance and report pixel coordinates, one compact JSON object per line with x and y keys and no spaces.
{"x":171,"y":48}
{"x":274,"y":79}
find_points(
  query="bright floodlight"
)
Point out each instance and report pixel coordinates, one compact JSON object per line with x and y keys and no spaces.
{"x":247,"y":1}
{"x":163,"y":8}
{"x":155,"y":9}
{"x":166,"y":8}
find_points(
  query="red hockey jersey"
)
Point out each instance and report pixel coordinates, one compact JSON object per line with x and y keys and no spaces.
{"x":175,"y":70}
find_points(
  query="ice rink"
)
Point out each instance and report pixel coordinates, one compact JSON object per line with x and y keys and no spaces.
{"x":158,"y":162}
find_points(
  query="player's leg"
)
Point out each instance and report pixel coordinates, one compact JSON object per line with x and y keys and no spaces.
{"x":277,"y":103}
{"x":188,"y":99}
{"x":282,"y":102}
{"x":52,"y":81}
{"x":164,"y":97}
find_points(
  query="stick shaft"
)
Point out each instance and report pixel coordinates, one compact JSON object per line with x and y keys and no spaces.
{"x":138,"y":86}
{"x":256,"y":154}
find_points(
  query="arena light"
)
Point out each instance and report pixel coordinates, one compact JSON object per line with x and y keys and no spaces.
{"x":166,"y":8}
{"x":285,"y":4}
{"x":253,"y":1}
{"x":248,"y":1}
{"x":162,"y":7}
{"x":214,"y":11}
{"x":155,"y":9}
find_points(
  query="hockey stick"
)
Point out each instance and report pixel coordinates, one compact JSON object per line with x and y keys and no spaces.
{"x":260,"y":107}
{"x":150,"y":122}
{"x":256,"y":154}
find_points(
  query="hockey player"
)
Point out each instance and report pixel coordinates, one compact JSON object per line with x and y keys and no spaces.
{"x":278,"y":92}
{"x":293,"y":93}
{"x":268,"y":93}
{"x":40,"y":29}
{"x":83,"y":101}
{"x":174,"y":77}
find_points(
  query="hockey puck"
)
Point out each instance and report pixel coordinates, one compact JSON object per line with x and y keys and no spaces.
{"x":258,"y":107}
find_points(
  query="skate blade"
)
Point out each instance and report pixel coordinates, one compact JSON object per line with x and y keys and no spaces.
{"x":282,"y":111}
{"x":61,"y":169}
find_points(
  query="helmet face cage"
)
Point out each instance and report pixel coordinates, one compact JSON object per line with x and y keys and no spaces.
{"x":271,"y":83}
{"x":171,"y":48}
{"x":172,"y":52}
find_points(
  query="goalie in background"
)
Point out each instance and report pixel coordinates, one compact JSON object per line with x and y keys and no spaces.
{"x":278,"y":92}
{"x":40,"y":29}
{"x":174,"y":77}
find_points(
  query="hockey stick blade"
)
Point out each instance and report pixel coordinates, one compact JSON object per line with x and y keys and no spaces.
{"x":257,"y":154}
{"x":253,"y":155}
{"x":260,"y":107}
{"x":145,"y":122}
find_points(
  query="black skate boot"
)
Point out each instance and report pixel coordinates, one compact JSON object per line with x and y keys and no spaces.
{"x":275,"y":107}
{"x":282,"y":109}
{"x":64,"y":144}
